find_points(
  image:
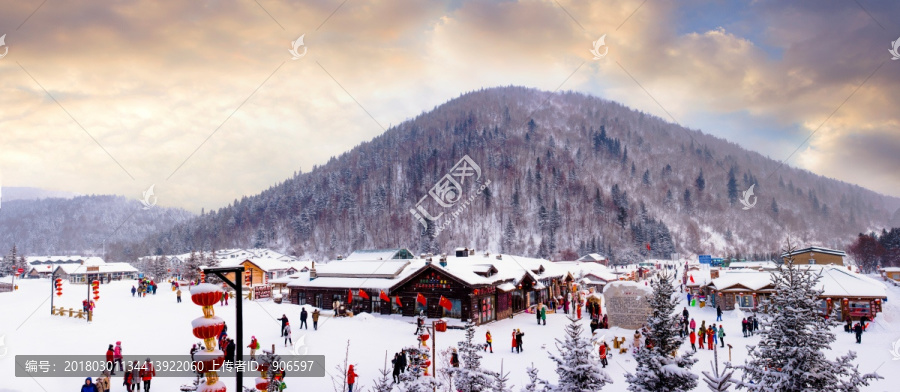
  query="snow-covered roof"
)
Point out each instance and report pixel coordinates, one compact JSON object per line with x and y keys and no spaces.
{"x":39,"y":260}
{"x":264,"y":264}
{"x":506,"y":287}
{"x":349,"y":268}
{"x":578,"y":268}
{"x":592,"y":257}
{"x":376,"y":254}
{"x":752,"y":264}
{"x":816,"y":249}
{"x":891,"y":269}
{"x":836,"y":281}
{"x":76,"y":269}
{"x":290,"y":278}
{"x":353,"y":279}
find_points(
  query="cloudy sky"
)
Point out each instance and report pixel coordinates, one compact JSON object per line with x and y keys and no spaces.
{"x":203,"y":99}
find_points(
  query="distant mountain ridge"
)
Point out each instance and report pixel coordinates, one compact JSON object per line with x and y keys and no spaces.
{"x":569,"y":174}
{"x":79,"y":224}
{"x":10,"y":193}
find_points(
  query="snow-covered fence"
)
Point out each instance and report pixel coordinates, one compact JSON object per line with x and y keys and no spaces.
{"x":6,"y":287}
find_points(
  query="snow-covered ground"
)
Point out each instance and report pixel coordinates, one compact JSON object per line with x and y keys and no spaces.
{"x":157,"y":325}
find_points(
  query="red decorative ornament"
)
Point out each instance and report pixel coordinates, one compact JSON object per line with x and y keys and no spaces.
{"x":206,"y":294}
{"x":262,"y":384}
{"x":59,"y":293}
{"x":209,"y":361}
{"x":205,"y":328}
{"x":96,"y":297}
{"x":217,"y":387}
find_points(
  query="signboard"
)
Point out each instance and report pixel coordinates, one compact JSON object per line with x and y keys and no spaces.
{"x":626,"y":304}
{"x":93,"y":269}
{"x":260,"y":292}
{"x":705,"y":259}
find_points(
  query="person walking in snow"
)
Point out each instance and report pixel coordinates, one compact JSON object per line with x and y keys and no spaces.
{"x":89,"y":386}
{"x":335,"y":305}
{"x":303,"y":315}
{"x":604,"y":349}
{"x":722,"y":335}
{"x":254,"y":345}
{"x":755,"y":325}
{"x":718,"y":313}
{"x":594,"y":326}
{"x":395,"y":363}
{"x":103,"y":383}
{"x":454,"y":358}
{"x":127,"y":379}
{"x":178,"y":295}
{"x":537,"y":313}
{"x":544,"y":314}
{"x":117,"y":357}
{"x":135,"y":376}
{"x":579,"y":310}
{"x":133,"y":290}
{"x":513,"y":349}
{"x":701,"y":336}
{"x":685,"y":314}
{"x":351,"y":378}
{"x":287,"y":334}
{"x":710,"y":336}
{"x":715,"y":334}
{"x":315,"y":317}
{"x":284,"y":321}
{"x":693,"y":340}
{"x":857,"y":328}
{"x":693,"y":325}
{"x":637,"y":340}
{"x":147,"y":373}
{"x":744,"y":326}
{"x":519,"y":335}
{"x":110,"y":359}
{"x":488,"y":340}
{"x":229,"y":350}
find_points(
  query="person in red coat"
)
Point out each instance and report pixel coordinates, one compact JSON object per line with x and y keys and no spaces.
{"x":604,"y":348}
{"x":351,"y":378}
{"x":110,"y":357}
{"x":513,"y":342}
{"x":709,"y":338}
{"x":147,"y":373}
{"x":693,"y":340}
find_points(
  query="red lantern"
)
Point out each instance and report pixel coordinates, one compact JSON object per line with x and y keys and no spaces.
{"x":262,"y":384}
{"x":209,"y":361}
{"x":59,"y":293}
{"x":206,"y":328}
{"x":206,"y":294}
{"x":96,"y":297}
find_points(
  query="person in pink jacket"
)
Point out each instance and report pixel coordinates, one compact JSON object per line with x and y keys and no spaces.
{"x":117,"y":357}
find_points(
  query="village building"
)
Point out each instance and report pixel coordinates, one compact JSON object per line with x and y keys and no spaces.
{"x":594,"y":258}
{"x":105,"y":273}
{"x":845,"y":292}
{"x":816,"y":255}
{"x":891,"y":273}
{"x":43,"y":266}
{"x":481,"y":287}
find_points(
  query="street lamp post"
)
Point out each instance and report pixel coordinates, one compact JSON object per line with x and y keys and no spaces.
{"x":237,"y":285}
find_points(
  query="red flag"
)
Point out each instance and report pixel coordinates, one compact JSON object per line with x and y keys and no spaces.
{"x":648,"y":246}
{"x":445,"y":303}
{"x":692,"y":278}
{"x":363,"y":294}
{"x":398,"y":301}
{"x":384,"y":297}
{"x":350,"y":296}
{"x":421,"y":299}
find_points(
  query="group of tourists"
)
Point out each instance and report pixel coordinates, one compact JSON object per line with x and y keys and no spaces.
{"x":144,"y":286}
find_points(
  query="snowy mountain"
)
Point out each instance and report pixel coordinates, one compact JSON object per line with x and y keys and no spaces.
{"x":550,"y":174}
{"x":80,"y":224}
{"x":11,"y":193}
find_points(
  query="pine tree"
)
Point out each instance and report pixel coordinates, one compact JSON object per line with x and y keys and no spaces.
{"x":415,"y":380}
{"x":192,"y":267}
{"x":385,"y":382}
{"x":212,"y":261}
{"x":535,"y":384}
{"x":501,"y":380}
{"x":716,"y":381}
{"x":732,"y":186}
{"x":509,"y":237}
{"x":660,"y":367}
{"x":700,"y":182}
{"x":471,"y":377}
{"x":578,"y":368}
{"x":791,"y":353}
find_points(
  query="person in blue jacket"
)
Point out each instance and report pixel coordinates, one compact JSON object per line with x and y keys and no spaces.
{"x":89,"y":386}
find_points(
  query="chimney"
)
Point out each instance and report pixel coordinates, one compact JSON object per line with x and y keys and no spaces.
{"x":312,"y":271}
{"x":443,"y":260}
{"x":499,"y":256}
{"x":472,"y":252}
{"x":340,"y":257}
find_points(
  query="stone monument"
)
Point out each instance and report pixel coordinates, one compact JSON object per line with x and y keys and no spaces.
{"x":626,"y":304}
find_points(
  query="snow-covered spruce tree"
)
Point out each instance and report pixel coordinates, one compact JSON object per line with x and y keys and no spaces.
{"x":384,"y":383}
{"x":662,"y":368}
{"x":470,"y":376}
{"x":790,"y":355}
{"x":501,"y":381}
{"x":578,"y":368}
{"x":535,"y":384}
{"x":715,"y":380}
{"x":192,"y":265}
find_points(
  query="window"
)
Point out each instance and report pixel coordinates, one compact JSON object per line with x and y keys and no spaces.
{"x":812,"y":261}
{"x":455,"y":310}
